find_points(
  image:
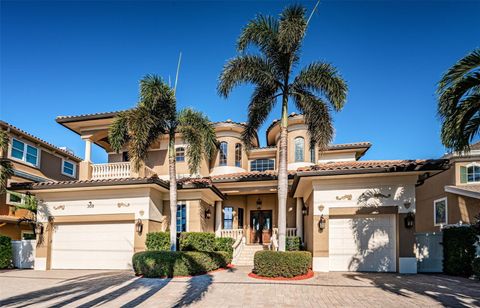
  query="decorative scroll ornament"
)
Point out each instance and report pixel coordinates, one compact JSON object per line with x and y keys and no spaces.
{"x":90,"y":205}
{"x":122,"y":204}
{"x":344,"y":197}
{"x":380,"y":195}
{"x":59,"y":207}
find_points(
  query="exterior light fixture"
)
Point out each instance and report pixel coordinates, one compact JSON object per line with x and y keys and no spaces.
{"x":259,"y":203}
{"x":409,"y":220}
{"x":321,"y":223}
{"x":304,"y":209}
{"x":208,"y":214}
{"x":139,"y":226}
{"x":38,"y":228}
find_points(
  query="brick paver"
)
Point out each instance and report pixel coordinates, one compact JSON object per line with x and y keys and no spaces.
{"x":233,"y":288}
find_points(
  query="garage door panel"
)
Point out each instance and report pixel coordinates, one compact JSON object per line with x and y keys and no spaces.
{"x":93,"y":246}
{"x":362,"y":243}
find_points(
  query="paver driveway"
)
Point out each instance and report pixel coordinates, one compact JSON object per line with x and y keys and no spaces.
{"x":233,"y":288}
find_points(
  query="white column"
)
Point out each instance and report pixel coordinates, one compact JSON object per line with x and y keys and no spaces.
{"x":218,"y":218}
{"x":88,"y":150}
{"x":299,"y":217}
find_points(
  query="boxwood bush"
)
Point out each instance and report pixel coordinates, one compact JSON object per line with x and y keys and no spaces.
{"x":5,"y":252}
{"x":459,"y":250}
{"x":155,"y":264}
{"x":293,"y":243}
{"x":197,"y":241}
{"x":282,"y":264}
{"x":158,"y":241}
{"x":224,"y":244}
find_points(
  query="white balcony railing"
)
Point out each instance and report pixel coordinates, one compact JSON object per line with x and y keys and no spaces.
{"x":118,"y":170}
{"x":290,"y":231}
{"x":233,"y":233}
{"x":111,"y":171}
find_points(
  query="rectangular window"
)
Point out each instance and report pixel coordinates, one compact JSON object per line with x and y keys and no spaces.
{"x":68,"y":168}
{"x":262,"y":165}
{"x":228,"y":218}
{"x":28,"y":235}
{"x":14,"y":198}
{"x":180,"y":154}
{"x":181,"y":217}
{"x":240,"y":218}
{"x":24,"y":152}
{"x":440,"y":212}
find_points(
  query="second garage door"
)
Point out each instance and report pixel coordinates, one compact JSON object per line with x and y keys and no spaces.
{"x":93,"y":246}
{"x":362,"y":243}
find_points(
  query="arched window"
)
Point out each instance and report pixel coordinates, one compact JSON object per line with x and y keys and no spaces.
{"x":238,"y":155}
{"x":312,"y":153}
{"x":180,"y":154}
{"x":299,"y":149}
{"x":473,"y":173}
{"x":223,"y":153}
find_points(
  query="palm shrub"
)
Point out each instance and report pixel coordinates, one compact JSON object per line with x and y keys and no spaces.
{"x":154,"y":116}
{"x":459,"y":102}
{"x":6,"y":168}
{"x":315,"y":90}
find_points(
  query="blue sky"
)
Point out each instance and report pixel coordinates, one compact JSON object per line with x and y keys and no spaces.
{"x":68,"y":58}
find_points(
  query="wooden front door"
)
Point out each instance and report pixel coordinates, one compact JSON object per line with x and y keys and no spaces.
{"x":260,"y":226}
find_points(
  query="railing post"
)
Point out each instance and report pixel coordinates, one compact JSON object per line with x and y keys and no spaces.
{"x":299,"y":218}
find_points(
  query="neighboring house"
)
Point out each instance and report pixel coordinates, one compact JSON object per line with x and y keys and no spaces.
{"x":453,"y":196}
{"x":33,"y":160}
{"x":351,"y":214}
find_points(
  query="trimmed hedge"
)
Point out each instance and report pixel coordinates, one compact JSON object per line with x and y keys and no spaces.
{"x":158,"y":241}
{"x":5,"y":252}
{"x":459,"y":250}
{"x":155,"y":264}
{"x":293,"y":243}
{"x":197,"y":241}
{"x":476,"y":267}
{"x":224,"y":244}
{"x":286,"y":264}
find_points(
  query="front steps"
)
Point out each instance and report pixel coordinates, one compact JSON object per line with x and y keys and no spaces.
{"x":246,"y":256}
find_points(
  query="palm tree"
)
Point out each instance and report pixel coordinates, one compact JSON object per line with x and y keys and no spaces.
{"x":6,"y":168}
{"x":154,"y":116}
{"x":315,"y":90}
{"x":459,"y":102}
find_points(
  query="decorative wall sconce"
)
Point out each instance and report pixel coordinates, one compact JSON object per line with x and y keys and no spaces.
{"x":259,"y":203}
{"x":208,"y":214}
{"x":407,"y":204}
{"x":321,"y":223}
{"x":304,"y":209}
{"x":409,"y":220}
{"x":90,"y":205}
{"x":38,"y":228}
{"x":139,"y":226}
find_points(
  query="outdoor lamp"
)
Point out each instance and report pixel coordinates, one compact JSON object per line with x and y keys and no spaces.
{"x":321,"y":223}
{"x":304,"y":209}
{"x":139,"y":226}
{"x":208,"y":214}
{"x":38,"y":228}
{"x":409,"y":220}
{"x":259,"y":203}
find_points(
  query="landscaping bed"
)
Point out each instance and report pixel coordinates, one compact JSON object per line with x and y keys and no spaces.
{"x":282,"y":265}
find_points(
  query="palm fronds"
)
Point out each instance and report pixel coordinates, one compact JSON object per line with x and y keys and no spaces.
{"x":6,"y":167}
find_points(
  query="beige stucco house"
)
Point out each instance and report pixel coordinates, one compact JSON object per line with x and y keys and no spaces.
{"x":351,"y":214}
{"x":33,"y":160}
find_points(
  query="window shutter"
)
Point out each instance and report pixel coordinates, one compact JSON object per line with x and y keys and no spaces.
{"x":463,"y":174}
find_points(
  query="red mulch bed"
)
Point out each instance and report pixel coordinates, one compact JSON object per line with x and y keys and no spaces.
{"x":308,"y":275}
{"x":217,"y":270}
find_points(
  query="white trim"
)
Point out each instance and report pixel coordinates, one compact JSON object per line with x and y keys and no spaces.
{"x":264,"y":158}
{"x":472,"y":164}
{"x":435,"y":212}
{"x":74,"y":168}
{"x":187,"y":213}
{"x":463,"y":192}
{"x":7,"y":201}
{"x":24,"y":158}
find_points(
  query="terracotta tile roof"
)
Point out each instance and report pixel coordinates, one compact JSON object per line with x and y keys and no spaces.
{"x":475,"y":146}
{"x":366,"y":164}
{"x":249,"y":176}
{"x":41,"y":141}
{"x":88,"y":116}
{"x":353,"y":145}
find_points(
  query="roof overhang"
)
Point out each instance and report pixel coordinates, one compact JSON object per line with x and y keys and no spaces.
{"x":472,"y":191}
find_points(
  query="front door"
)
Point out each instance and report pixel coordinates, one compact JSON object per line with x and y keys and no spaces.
{"x":261,"y":226}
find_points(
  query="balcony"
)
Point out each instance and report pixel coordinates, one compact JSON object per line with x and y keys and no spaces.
{"x":118,"y":170}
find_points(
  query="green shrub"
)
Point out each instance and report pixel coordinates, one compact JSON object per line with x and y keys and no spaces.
{"x":5,"y":252}
{"x":197,"y":241}
{"x":224,"y":244}
{"x":154,"y":264}
{"x":476,"y":267}
{"x":158,"y":241}
{"x":459,"y":250}
{"x":293,"y":243}
{"x":281,"y":264}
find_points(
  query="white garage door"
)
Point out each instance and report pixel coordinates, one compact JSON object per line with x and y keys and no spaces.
{"x":93,"y":246}
{"x":362,"y":243}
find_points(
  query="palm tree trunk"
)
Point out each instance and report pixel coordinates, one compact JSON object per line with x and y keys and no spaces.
{"x":283,"y":176}
{"x":173,"y":192}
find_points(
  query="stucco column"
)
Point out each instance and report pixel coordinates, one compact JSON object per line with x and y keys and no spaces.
{"x":88,"y":150}
{"x":299,"y":218}
{"x":218,"y":218}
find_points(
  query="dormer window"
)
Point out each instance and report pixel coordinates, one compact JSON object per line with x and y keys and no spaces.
{"x":473,"y":173}
{"x":299,"y":149}
{"x":238,"y":155}
{"x":223,"y":153}
{"x":180,"y":154}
